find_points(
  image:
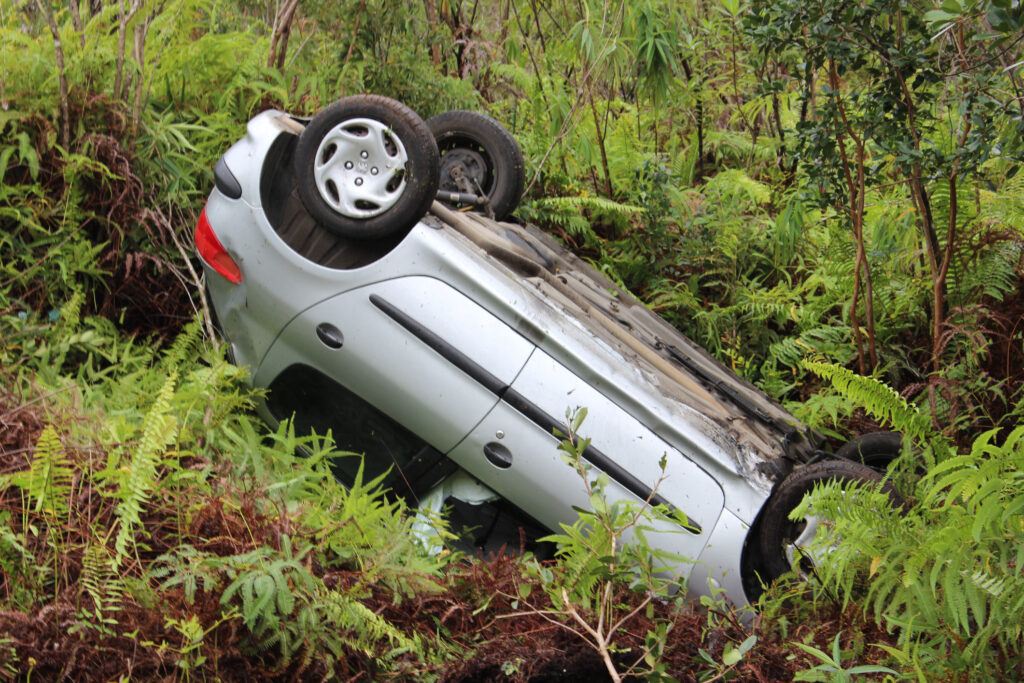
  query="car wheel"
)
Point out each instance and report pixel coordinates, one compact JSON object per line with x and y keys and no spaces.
{"x":480,"y":157}
{"x":366,"y":167}
{"x":876,"y":450}
{"x":781,"y":539}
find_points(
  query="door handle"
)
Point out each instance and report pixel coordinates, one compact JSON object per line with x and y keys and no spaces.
{"x":498,"y":455}
{"x":330,"y":335}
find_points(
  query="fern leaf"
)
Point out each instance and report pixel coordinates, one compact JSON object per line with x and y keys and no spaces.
{"x":99,"y":578}
{"x":47,"y":482}
{"x":878,"y":399}
{"x":158,"y":431}
{"x":71,"y":311}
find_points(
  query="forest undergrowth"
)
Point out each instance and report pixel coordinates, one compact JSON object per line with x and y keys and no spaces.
{"x":826,"y":196}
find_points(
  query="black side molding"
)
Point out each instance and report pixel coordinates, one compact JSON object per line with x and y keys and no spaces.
{"x":443,"y":348}
{"x":226,"y":181}
{"x":521,"y":404}
{"x":598,"y":459}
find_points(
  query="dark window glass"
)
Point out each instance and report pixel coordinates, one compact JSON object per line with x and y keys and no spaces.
{"x":319,"y":403}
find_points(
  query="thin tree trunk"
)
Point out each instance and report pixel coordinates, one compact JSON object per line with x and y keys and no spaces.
{"x":355,"y":34}
{"x":432,"y":19}
{"x":699,"y":168}
{"x":856,"y":190}
{"x":122,"y":27}
{"x":76,"y":20}
{"x":529,"y":51}
{"x":139,"y":54}
{"x":600,"y":143}
{"x":123,"y":18}
{"x":279,"y":37}
{"x":65,"y":109}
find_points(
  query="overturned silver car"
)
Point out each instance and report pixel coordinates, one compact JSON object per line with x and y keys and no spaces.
{"x":447,"y":346}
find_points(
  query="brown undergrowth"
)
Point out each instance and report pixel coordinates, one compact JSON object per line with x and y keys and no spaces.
{"x":95,"y":195}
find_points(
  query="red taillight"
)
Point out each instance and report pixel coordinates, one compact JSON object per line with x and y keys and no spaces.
{"x":210,"y":249}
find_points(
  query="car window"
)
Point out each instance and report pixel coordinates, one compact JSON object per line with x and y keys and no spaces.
{"x":318,"y":403}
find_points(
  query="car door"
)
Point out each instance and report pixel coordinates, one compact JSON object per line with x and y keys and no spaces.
{"x":414,"y":348}
{"x":514,"y":452}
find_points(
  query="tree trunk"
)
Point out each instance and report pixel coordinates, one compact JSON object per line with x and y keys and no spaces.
{"x":600,"y":143}
{"x":65,"y":110}
{"x":279,"y":36}
{"x":432,"y":19}
{"x":856,"y":183}
{"x":76,"y":20}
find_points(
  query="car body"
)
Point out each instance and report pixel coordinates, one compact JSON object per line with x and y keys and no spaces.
{"x":451,"y":353}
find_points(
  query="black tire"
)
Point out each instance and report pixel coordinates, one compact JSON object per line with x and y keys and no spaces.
{"x":487,"y":153}
{"x":876,"y":450}
{"x":778,"y":534}
{"x":366,"y":167}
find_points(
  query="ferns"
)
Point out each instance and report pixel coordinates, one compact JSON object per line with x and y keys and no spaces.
{"x":185,"y":346}
{"x":47,"y":481}
{"x":100,"y":583}
{"x":159,"y":428}
{"x":813,"y":342}
{"x":285,"y":606}
{"x":736,"y":182}
{"x":876,"y":398}
{"x":946,"y":571}
{"x":739,"y":146}
{"x":565,"y":212}
{"x":994,"y":272}
{"x":186,"y":567}
{"x":268,"y":587}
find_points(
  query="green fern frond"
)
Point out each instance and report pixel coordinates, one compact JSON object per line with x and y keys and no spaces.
{"x":994,"y":272}
{"x":738,"y":145}
{"x":567,"y":212}
{"x":735,"y":181}
{"x":365,"y":630}
{"x":186,"y":567}
{"x":47,"y":482}
{"x":185,"y":346}
{"x":287,"y":608}
{"x":817,"y":341}
{"x":946,"y":570}
{"x":71,"y":311}
{"x":159,"y":428}
{"x":100,"y":580}
{"x":579,"y":203}
{"x":878,"y":399}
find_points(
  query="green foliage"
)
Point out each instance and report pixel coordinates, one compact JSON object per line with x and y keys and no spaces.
{"x":566,"y":212}
{"x":285,"y":606}
{"x":158,"y":431}
{"x":945,"y":570}
{"x":694,"y":152}
{"x":47,"y":481}
{"x":878,"y":399}
{"x":188,"y":568}
{"x":831,"y":667}
{"x":732,"y":655}
{"x":102,"y":589}
{"x":145,"y":477}
{"x":604,"y":552}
